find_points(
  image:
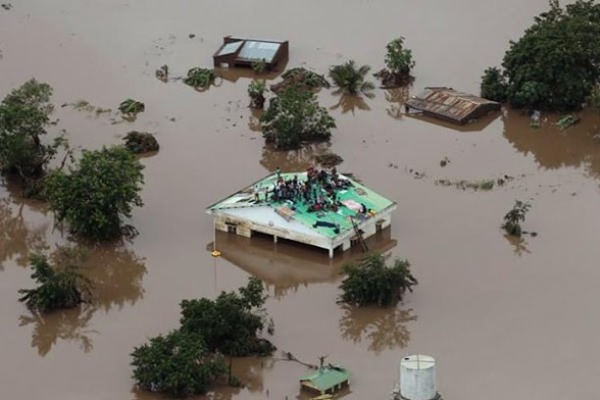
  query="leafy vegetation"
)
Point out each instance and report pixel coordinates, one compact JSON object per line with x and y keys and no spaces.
{"x":493,"y":85}
{"x":200,"y":78}
{"x":178,"y":364}
{"x":350,"y":79}
{"x":371,"y":281}
{"x":256,"y":91}
{"x":259,"y":66}
{"x":131,"y":107}
{"x":59,"y":287}
{"x":513,"y":218}
{"x":556,"y":64}
{"x":594,"y":99}
{"x":399,"y":63}
{"x":24,"y":115}
{"x":302,"y":78}
{"x":96,"y":194}
{"x":229,"y":324}
{"x":294,"y":116}
{"x":140,"y":142}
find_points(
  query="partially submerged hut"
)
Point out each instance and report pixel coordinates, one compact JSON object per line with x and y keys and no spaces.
{"x":450,"y":105}
{"x":238,"y":52}
{"x":326,"y":210}
{"x":327,"y":379}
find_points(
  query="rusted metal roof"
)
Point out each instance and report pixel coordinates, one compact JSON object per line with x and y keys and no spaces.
{"x":450,"y":104}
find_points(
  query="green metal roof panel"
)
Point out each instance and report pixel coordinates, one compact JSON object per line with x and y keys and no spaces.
{"x":326,"y":378}
{"x":257,"y":51}
{"x":354,"y":195}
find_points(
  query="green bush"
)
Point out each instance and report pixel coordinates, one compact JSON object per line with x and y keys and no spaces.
{"x":59,"y":287}
{"x":177,"y":364}
{"x":96,"y":194}
{"x":371,"y":281}
{"x":294,"y":116}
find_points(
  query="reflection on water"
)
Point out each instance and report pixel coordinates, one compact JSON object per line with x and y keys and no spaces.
{"x":383,"y":328}
{"x":396,"y":97}
{"x":475,"y":126}
{"x":350,"y":103}
{"x":518,"y":244}
{"x":116,"y":274}
{"x":286,"y":266}
{"x":553,"y":148}
{"x":68,"y":325}
{"x":254,"y":120}
{"x":17,"y":240}
{"x":292,"y":160}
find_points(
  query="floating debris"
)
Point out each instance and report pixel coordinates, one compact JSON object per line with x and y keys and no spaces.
{"x":464,"y":184}
{"x":567,"y":121}
{"x":445,"y":161}
{"x":6,"y":6}
{"x":162,"y":73}
{"x":84,"y":105}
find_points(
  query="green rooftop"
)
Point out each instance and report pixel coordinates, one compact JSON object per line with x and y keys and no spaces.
{"x":327,"y":378}
{"x":350,"y":199}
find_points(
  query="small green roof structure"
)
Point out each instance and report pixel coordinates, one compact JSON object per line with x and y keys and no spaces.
{"x":327,"y":379}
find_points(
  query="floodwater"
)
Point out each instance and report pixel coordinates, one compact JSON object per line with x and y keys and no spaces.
{"x":504,"y":318}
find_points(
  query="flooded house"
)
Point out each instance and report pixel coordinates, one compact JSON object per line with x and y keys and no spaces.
{"x":450,"y":105}
{"x":327,"y":210}
{"x":238,"y":52}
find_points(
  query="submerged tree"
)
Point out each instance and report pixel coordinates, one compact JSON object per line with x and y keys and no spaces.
{"x":200,"y":78}
{"x":493,"y":85}
{"x":399,"y":63}
{"x":371,"y":281}
{"x":59,"y":287}
{"x":178,"y":364}
{"x":302,"y":78}
{"x":230,"y":323}
{"x":350,"y":79}
{"x":293,"y":117}
{"x":95,"y":196}
{"x":131,"y":107}
{"x":513,"y":218}
{"x":256,"y":91}
{"x":24,"y":115}
{"x":141,"y":142}
{"x":556,"y":63}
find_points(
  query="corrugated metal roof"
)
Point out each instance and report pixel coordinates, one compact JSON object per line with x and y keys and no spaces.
{"x":230,"y":48}
{"x":448,"y":103}
{"x":326,"y":378}
{"x":258,"y":51}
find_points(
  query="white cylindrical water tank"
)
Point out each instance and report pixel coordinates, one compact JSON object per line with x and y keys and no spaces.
{"x":417,"y":378}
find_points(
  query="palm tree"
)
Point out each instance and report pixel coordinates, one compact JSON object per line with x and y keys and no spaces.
{"x":350,"y":79}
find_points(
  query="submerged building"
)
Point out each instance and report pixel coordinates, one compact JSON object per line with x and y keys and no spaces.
{"x":238,"y":52}
{"x":450,"y":105}
{"x":323,"y":209}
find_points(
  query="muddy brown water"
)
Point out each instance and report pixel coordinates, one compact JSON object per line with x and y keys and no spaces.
{"x":504,"y":318}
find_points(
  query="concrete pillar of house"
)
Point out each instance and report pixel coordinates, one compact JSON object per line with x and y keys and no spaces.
{"x":274,"y":238}
{"x":346,"y":245}
{"x":331,"y":252}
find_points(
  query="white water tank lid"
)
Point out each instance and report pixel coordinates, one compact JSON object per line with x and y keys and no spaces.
{"x":418,"y":362}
